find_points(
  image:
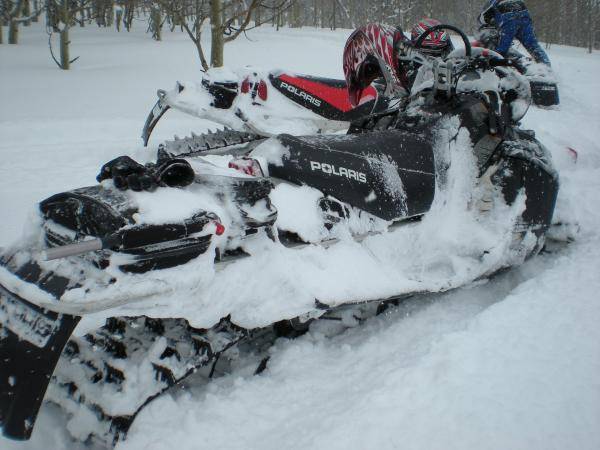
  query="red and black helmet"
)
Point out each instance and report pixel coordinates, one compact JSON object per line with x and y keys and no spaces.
{"x":437,"y":43}
{"x":370,"y":53}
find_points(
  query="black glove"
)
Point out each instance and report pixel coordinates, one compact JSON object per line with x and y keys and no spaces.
{"x":129,"y":174}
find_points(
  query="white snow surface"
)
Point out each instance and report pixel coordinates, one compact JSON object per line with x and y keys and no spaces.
{"x":512,"y":363}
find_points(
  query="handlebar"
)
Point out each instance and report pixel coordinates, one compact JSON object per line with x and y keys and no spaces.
{"x":465,"y":39}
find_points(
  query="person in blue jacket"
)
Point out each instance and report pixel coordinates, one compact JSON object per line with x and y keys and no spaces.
{"x":512,"y":19}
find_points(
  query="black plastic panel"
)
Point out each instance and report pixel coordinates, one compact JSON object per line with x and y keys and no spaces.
{"x":389,"y":174}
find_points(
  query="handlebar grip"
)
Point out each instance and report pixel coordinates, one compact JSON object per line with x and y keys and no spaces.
{"x":78,"y":248}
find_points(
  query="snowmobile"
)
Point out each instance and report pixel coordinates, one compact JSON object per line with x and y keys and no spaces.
{"x":544,"y":87}
{"x":268,"y":103}
{"x":231,"y":240}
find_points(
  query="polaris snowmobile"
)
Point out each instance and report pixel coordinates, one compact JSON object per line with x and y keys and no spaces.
{"x":268,"y":103}
{"x":230,"y":240}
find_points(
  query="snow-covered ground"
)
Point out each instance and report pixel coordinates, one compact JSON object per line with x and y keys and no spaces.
{"x":513,"y":363}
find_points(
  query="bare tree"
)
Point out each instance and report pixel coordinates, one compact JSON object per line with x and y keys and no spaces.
{"x":2,"y":19}
{"x":61,"y":16}
{"x":223,"y":31}
{"x":26,"y":13}
{"x":13,"y":11}
{"x":129,"y":12}
{"x":66,"y":17}
{"x":155,"y":22}
{"x":228,"y":19}
{"x":570,"y":22}
{"x":593,"y":7}
{"x":12,"y":14}
{"x":190,"y":15}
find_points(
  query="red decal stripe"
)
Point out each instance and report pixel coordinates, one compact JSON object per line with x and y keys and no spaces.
{"x":336,"y":97}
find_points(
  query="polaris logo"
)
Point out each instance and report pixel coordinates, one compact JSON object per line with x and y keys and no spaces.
{"x":330,"y":169}
{"x":294,"y":90}
{"x":25,"y":322}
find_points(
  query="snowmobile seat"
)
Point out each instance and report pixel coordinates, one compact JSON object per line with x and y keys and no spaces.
{"x":327,"y":97}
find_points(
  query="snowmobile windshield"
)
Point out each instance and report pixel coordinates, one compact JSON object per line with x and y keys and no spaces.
{"x":369,"y":54}
{"x":436,"y":43}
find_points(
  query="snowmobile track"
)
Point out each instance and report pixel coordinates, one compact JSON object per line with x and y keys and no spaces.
{"x":106,"y":377}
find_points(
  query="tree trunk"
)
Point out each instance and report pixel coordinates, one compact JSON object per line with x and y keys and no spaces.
{"x":273,"y":19}
{"x":1,"y":32}
{"x":296,"y":15}
{"x":155,"y":24}
{"x":35,"y":8}
{"x":13,"y":32}
{"x":216,"y":34}
{"x":26,"y":12}
{"x":52,"y":18}
{"x":118,"y":19}
{"x":65,"y":62}
{"x":333,"y":25}
{"x":278,"y":18}
{"x":110,"y":14}
{"x":592,"y":27}
{"x":128,"y":20}
{"x":82,"y":14}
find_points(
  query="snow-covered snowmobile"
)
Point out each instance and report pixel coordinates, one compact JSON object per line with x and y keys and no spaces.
{"x":126,"y":287}
{"x":268,"y":103}
{"x":544,"y":87}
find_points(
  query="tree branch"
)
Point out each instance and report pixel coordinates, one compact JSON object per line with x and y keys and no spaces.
{"x":245,"y":23}
{"x":29,"y":17}
{"x":51,"y":52}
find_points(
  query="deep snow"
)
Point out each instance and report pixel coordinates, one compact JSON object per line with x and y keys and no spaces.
{"x":513,"y":363}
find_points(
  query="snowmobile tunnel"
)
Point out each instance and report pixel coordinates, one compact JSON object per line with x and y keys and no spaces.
{"x":389,"y":174}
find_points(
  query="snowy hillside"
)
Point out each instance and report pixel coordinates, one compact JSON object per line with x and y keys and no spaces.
{"x":512,"y":363}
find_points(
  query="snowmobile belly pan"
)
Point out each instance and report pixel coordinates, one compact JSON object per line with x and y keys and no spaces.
{"x":31,"y":341}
